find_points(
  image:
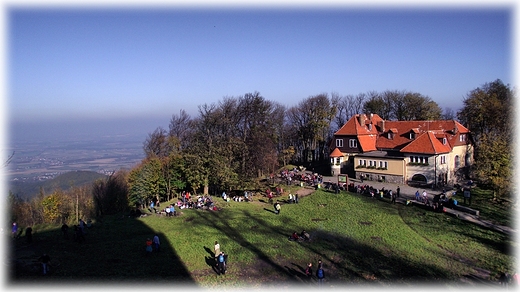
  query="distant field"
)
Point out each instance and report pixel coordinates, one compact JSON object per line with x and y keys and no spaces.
{"x":44,"y":160}
{"x":63,"y":182}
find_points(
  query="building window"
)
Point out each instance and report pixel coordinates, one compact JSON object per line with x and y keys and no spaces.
{"x":419,"y":159}
{"x":338,"y":160}
{"x":444,"y":141}
{"x":462,"y":137}
{"x":352,"y":143}
{"x":339,"y":142}
{"x":412,"y":135}
{"x":390,"y":136}
{"x":443,"y":159}
{"x":370,"y":127}
{"x":457,"y":161}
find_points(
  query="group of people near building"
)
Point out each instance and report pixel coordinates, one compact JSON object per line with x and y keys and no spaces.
{"x":296,"y":175}
{"x":200,"y":202}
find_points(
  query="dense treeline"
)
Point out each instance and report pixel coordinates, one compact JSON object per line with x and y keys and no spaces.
{"x":488,"y":112}
{"x":233,"y":143}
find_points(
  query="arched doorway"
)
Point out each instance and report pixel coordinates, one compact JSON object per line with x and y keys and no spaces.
{"x":419,"y":178}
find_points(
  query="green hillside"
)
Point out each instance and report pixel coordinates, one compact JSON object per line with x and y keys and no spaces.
{"x":64,"y":182}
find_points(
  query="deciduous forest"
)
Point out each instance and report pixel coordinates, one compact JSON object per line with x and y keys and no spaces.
{"x":234,"y":143}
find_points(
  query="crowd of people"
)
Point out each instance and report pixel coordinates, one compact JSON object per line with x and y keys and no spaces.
{"x":297,"y":175}
{"x":247,"y":197}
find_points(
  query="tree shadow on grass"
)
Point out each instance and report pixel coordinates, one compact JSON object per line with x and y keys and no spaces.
{"x":349,"y":261}
{"x":212,"y":217}
{"x":113,"y":253}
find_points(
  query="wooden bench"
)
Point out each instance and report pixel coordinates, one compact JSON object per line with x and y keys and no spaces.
{"x":467,"y":210}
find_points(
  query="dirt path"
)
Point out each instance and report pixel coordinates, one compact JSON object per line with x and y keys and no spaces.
{"x":305,"y":191}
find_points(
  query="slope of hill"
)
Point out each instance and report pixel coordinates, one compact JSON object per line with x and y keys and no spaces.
{"x":27,"y":190}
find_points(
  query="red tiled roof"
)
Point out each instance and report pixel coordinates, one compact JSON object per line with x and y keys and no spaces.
{"x":336,"y":153}
{"x":368,"y":142}
{"x":428,"y":135}
{"x":353,"y":127}
{"x":426,"y":143}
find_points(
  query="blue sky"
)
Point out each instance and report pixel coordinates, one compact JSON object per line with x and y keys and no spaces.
{"x":127,"y":63}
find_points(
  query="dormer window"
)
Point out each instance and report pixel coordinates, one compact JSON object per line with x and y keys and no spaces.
{"x":370,"y":127}
{"x":390,"y":136}
{"x":412,"y":135}
{"x":462,"y":137}
{"x":444,"y":141}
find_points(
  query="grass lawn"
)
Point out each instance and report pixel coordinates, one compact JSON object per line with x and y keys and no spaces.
{"x":362,"y":241}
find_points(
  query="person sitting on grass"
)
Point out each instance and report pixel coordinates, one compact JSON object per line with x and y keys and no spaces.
{"x":294,"y":236}
{"x":305,"y":236}
{"x":277,"y":208}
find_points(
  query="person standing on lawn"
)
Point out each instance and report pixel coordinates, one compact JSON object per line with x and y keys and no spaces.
{"x":308,"y":272}
{"x":320,"y":274}
{"x":156,"y":243}
{"x":221,"y":263}
{"x":217,"y":249}
{"x":45,"y":259}
{"x":14,"y":230}
{"x":148,"y":246}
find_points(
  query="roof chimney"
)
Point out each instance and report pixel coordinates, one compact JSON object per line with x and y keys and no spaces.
{"x":361,"y":119}
{"x":381,"y":125}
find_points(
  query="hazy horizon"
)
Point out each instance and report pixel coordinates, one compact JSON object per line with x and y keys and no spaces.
{"x":82,"y":129}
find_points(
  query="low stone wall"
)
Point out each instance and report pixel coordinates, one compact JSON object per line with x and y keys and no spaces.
{"x":396,"y":179}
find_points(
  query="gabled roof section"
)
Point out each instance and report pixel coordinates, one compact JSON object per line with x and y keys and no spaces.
{"x":368,"y":142}
{"x":426,"y":143}
{"x":357,"y":125}
{"x":336,"y":153}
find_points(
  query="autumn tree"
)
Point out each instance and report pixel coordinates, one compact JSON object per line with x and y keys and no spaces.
{"x":312,"y":118}
{"x":146,"y":182}
{"x":488,"y":113}
{"x":110,"y":195}
{"x":157,"y":144}
{"x":181,"y":127}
